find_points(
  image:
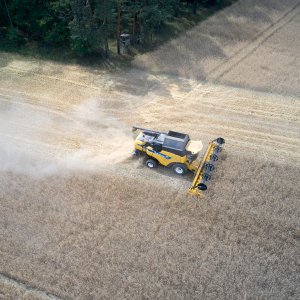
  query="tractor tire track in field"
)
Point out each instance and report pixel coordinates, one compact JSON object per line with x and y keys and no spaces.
{"x":24,"y":290}
{"x":218,"y":72}
{"x":237,"y":57}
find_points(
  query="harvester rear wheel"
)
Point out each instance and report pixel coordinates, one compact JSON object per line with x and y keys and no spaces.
{"x":179,"y":169}
{"x":151,"y":163}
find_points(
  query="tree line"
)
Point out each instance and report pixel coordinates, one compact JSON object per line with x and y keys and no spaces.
{"x":87,"y":26}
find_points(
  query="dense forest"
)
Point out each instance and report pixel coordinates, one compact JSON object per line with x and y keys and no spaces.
{"x":87,"y":26}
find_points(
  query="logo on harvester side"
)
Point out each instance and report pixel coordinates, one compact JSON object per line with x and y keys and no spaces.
{"x":158,"y":153}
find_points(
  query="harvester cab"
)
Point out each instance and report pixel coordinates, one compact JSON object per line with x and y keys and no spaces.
{"x":177,"y":151}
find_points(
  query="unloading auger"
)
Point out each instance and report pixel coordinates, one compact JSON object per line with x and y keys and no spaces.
{"x":177,"y":151}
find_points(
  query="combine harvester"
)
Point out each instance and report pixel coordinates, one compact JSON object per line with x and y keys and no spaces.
{"x":177,"y":151}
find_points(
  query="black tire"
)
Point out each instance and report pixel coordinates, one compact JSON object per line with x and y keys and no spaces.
{"x":209,"y":167}
{"x":151,"y":163}
{"x":220,"y":141}
{"x":179,"y":169}
{"x":202,"y":187}
{"x":214,"y":157}
{"x":206,"y":177}
{"x":218,"y":149}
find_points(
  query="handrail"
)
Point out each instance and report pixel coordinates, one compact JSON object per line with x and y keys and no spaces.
{"x":134,"y":128}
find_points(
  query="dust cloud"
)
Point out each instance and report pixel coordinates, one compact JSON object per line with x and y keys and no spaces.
{"x":40,"y":141}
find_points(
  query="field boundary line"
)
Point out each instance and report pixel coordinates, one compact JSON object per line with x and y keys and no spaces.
{"x":7,"y":279}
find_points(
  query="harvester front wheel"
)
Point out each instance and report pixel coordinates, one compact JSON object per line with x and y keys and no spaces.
{"x":151,"y":163}
{"x":179,"y":169}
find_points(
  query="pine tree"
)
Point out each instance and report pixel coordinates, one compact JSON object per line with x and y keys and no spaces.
{"x":105,"y":15}
{"x":93,"y":24}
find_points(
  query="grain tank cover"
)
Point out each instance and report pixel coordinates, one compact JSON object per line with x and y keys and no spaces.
{"x":175,"y":142}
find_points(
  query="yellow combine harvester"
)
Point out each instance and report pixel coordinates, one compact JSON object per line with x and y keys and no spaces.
{"x":176,"y":150}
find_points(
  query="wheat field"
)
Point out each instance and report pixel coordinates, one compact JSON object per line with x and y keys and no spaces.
{"x":80,"y":219}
